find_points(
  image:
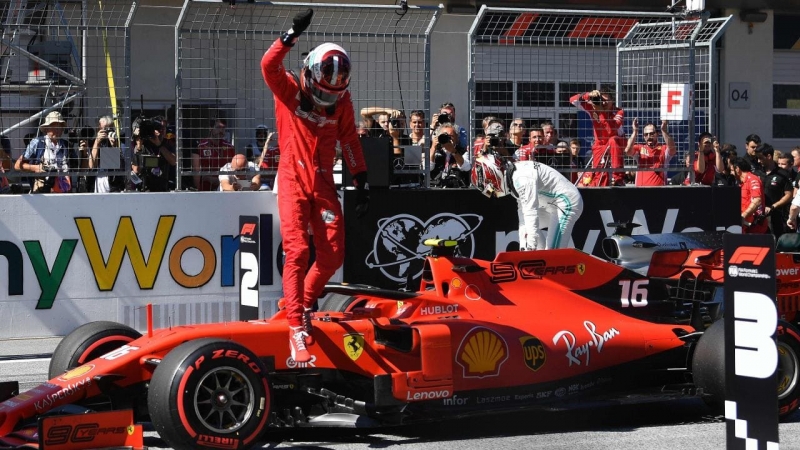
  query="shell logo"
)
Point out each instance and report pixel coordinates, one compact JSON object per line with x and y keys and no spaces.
{"x":77,"y":372}
{"x":481,"y":353}
{"x":455,"y":283}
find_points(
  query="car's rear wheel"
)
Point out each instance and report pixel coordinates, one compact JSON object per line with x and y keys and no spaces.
{"x":209,"y":393}
{"x":339,"y":303}
{"x":708,"y":367}
{"x":788,"y":368}
{"x":88,"y":342}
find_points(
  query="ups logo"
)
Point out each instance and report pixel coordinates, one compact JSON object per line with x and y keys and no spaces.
{"x":533,"y":352}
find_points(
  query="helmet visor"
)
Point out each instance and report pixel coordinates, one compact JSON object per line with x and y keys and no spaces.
{"x":322,"y":97}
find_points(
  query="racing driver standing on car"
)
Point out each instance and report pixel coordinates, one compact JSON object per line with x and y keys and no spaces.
{"x":313,"y":111}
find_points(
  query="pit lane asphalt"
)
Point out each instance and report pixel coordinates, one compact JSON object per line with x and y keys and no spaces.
{"x":667,"y":425}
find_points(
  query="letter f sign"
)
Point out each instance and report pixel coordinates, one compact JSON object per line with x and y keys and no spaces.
{"x":674,"y":98}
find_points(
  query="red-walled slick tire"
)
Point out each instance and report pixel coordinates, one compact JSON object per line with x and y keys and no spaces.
{"x":788,"y":372}
{"x":209,"y":393}
{"x":88,"y":342}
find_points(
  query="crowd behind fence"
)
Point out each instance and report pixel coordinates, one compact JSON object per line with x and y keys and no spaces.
{"x":525,"y":66}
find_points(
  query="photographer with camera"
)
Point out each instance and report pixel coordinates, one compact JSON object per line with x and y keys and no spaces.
{"x":494,"y":142}
{"x":608,"y":144}
{"x":390,"y":123}
{"x":48,"y":154}
{"x":447,"y":114}
{"x":451,"y":162}
{"x":153,"y":156}
{"x":106,"y":137}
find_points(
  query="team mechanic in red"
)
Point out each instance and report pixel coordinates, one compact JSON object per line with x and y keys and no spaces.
{"x":313,"y":111}
{"x":753,"y":217}
{"x":608,"y":145}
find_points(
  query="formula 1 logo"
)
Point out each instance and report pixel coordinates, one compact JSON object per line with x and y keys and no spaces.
{"x":248,"y":229}
{"x":755,"y":255}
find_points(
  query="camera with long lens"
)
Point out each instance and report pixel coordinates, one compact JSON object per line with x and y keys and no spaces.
{"x":111,"y":135}
{"x":148,"y":127}
{"x":444,"y":118}
{"x":596,"y":98}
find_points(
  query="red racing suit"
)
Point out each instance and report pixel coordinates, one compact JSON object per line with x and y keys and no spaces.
{"x":608,"y":146}
{"x":307,"y":137}
{"x":752,"y":187}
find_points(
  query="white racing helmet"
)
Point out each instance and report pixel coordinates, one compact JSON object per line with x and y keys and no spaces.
{"x":326,"y":74}
{"x":489,"y":177}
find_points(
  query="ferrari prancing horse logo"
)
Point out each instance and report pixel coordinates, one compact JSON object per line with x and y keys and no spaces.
{"x":581,"y":268}
{"x":353,"y":345}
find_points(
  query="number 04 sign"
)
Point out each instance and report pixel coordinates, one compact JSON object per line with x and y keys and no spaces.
{"x":739,"y":95}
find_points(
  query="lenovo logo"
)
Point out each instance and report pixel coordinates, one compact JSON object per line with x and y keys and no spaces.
{"x":755,"y":255}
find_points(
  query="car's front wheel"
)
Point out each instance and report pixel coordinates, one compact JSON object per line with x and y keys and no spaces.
{"x":88,"y":342}
{"x":209,"y":393}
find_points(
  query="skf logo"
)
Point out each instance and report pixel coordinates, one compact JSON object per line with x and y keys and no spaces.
{"x":533,"y":352}
{"x":354,"y":345}
{"x":754,"y":255}
{"x":248,"y":229}
{"x":581,"y":268}
{"x":482,"y":352}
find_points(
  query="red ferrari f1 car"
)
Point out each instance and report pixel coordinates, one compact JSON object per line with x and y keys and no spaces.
{"x":549,"y":329}
{"x":696,"y":262}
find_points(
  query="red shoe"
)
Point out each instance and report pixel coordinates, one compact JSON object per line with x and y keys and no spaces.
{"x":308,"y":326}
{"x":297,"y":345}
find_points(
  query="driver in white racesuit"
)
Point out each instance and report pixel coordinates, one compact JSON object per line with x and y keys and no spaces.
{"x":545,"y":199}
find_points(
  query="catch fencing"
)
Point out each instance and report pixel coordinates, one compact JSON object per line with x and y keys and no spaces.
{"x":72,"y":57}
{"x":675,"y":53}
{"x":527,"y":63}
{"x":219,"y":50}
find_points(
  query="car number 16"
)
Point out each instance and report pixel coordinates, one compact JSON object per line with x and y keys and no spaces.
{"x":634,"y":295}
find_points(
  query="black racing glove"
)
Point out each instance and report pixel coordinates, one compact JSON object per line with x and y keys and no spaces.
{"x":362,"y":193}
{"x":300,"y":22}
